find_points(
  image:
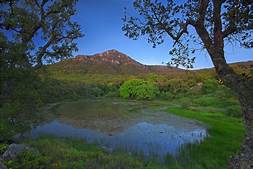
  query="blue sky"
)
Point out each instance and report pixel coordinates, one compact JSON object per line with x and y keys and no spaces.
{"x":101,"y":23}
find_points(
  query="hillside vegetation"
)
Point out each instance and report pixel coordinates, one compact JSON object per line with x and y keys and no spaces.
{"x":196,"y":94}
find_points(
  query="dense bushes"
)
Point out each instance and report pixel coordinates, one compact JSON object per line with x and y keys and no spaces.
{"x":138,"y":89}
{"x":20,"y":98}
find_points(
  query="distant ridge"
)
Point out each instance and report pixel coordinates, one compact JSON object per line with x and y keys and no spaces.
{"x":113,"y":62}
{"x":110,"y":62}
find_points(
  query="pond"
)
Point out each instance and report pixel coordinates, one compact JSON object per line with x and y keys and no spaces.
{"x":116,"y":125}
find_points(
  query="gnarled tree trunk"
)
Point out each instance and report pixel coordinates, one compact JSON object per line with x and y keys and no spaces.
{"x":243,"y":88}
{"x":244,"y":160}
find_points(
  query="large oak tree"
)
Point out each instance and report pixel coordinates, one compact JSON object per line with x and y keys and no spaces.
{"x":33,"y":33}
{"x":214,"y":22}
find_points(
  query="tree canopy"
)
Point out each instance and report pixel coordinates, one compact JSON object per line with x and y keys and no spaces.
{"x":228,"y":20}
{"x":138,"y":89}
{"x":214,"y":23}
{"x":37,"y":32}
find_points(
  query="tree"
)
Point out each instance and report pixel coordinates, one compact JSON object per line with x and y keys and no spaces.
{"x":138,"y":89}
{"x":34,"y":32}
{"x":214,"y":22}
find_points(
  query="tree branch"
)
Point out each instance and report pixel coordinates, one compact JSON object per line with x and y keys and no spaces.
{"x":200,"y":26}
{"x":203,"y":4}
{"x":231,"y":29}
{"x":218,"y":37}
{"x":43,"y":51}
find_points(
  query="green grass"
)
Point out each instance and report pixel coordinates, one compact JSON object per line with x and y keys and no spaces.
{"x":225,"y":136}
{"x":55,"y":153}
{"x":219,"y":112}
{"x":211,"y":104}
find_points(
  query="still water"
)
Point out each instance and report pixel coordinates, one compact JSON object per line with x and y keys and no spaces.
{"x":133,"y":127}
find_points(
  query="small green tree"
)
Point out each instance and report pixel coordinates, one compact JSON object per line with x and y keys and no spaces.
{"x":138,"y":89}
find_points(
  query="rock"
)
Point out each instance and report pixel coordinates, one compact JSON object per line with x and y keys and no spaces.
{"x":2,"y":166}
{"x":13,"y":150}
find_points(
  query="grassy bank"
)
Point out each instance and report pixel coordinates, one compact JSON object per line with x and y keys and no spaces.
{"x":53,"y":153}
{"x":205,"y":101}
{"x":225,"y":136}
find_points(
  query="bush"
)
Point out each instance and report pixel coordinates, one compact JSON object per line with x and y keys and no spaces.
{"x":210,"y":86}
{"x":166,"y":95}
{"x":138,"y":89}
{"x":176,"y":86}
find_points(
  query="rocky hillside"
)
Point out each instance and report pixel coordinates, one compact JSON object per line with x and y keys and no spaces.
{"x":109,"y":62}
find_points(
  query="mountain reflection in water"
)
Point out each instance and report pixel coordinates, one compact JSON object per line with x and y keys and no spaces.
{"x":131,"y":126}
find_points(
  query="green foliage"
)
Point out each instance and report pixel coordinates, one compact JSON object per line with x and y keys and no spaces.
{"x":225,"y":137}
{"x":49,"y":22}
{"x":3,"y":148}
{"x":234,"y":111}
{"x":30,"y":159}
{"x":166,"y":95}
{"x":21,"y":99}
{"x":210,"y":86}
{"x":52,"y":153}
{"x":22,"y":90}
{"x":138,"y":89}
{"x":180,"y":85}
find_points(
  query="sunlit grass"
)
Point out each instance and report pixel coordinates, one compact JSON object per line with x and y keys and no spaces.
{"x":225,"y":136}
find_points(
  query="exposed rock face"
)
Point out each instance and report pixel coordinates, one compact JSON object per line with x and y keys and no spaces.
{"x":13,"y":150}
{"x":110,"y":56}
{"x":110,"y":62}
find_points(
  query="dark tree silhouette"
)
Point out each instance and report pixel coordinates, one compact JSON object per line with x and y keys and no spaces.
{"x":34,"y":32}
{"x":214,"y":22}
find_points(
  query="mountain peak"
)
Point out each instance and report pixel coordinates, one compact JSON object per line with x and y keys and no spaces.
{"x":113,"y":51}
{"x":112,"y":62}
{"x":114,"y":54}
{"x":110,"y":56}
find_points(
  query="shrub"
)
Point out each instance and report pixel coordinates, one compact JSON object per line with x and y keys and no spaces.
{"x":166,"y":95}
{"x":138,"y":89}
{"x":210,"y":86}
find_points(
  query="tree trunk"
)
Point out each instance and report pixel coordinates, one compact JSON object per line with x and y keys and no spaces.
{"x":242,"y":86}
{"x":244,"y":160}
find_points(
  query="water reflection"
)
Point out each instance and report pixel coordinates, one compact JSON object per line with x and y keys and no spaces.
{"x":141,"y":138}
{"x":114,"y":124}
